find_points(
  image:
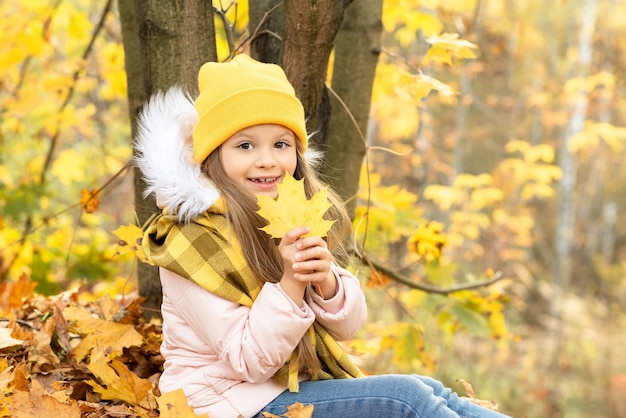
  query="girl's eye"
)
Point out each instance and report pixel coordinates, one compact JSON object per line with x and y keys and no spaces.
{"x":282,"y":144}
{"x":245,"y":145}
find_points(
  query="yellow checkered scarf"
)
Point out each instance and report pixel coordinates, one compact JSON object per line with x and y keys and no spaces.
{"x":206,"y":252}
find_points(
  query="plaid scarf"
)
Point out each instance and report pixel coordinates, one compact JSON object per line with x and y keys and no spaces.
{"x":206,"y":252}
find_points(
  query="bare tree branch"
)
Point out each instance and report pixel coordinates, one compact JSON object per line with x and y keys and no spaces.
{"x":400,"y":278}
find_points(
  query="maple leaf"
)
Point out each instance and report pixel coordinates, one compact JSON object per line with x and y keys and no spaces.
{"x":37,"y":403}
{"x":89,"y":200}
{"x":292,"y":209}
{"x":121,"y":383}
{"x":174,"y":405}
{"x":109,"y":335}
{"x":130,"y":238}
{"x":297,"y":410}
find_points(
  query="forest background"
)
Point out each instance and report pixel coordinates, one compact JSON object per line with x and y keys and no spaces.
{"x":495,"y":153}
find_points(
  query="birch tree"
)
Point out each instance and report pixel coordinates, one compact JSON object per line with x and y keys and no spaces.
{"x":564,"y":238}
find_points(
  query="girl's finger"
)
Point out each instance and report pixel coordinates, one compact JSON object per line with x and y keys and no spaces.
{"x":294,"y":234}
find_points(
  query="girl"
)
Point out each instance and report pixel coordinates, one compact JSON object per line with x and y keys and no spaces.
{"x":251,"y":325}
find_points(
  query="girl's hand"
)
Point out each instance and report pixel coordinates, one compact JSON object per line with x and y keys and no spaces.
{"x":306,"y":260}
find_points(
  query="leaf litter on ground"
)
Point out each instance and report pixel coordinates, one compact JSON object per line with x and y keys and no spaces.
{"x":72,"y":356}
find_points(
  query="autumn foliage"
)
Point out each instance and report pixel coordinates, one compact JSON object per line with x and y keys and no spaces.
{"x":73,"y":356}
{"x":76,"y":354}
{"x":489,"y":128}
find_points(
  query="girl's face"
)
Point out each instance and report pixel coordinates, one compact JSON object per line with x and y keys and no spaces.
{"x":256,"y":158}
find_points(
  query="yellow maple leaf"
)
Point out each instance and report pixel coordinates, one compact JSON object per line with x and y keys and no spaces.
{"x":296,"y":410}
{"x":447,"y":47}
{"x":174,"y":405}
{"x":292,"y":209}
{"x":121,"y":384}
{"x":111,"y":336}
{"x":130,"y":238}
{"x":299,"y":410}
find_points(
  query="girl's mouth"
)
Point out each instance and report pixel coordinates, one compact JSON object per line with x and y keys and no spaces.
{"x":265,"y":180}
{"x":262,"y":184}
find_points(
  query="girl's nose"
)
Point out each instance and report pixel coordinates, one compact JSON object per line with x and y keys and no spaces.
{"x":266,"y":159}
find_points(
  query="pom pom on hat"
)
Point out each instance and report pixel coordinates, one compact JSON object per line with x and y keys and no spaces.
{"x":241,"y":93}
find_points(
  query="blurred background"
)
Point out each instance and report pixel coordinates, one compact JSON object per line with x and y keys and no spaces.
{"x":495,"y":151}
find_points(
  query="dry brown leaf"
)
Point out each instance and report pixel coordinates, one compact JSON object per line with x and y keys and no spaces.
{"x":61,"y":326}
{"x":471,"y":396}
{"x":37,"y":403}
{"x":6,"y":341}
{"x":20,"y":378}
{"x":40,"y":353}
{"x":13,"y":294}
{"x":6,"y":377}
{"x":469,"y":390}
{"x":298,"y":410}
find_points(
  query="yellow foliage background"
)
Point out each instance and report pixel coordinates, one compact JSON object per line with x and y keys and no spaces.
{"x":471,"y":99}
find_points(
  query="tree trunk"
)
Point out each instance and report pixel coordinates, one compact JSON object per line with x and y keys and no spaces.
{"x":266,"y":22}
{"x":309,"y":36}
{"x":356,"y":56}
{"x":165,"y":43}
{"x":567,"y":205}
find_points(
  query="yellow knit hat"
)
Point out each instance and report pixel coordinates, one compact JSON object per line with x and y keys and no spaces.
{"x":239,"y":94}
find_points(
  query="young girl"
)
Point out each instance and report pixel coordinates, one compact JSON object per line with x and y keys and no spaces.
{"x":251,"y":325}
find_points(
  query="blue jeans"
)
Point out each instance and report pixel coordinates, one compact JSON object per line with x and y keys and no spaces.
{"x":394,"y":396}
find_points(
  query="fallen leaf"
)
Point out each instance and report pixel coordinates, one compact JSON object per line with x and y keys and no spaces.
{"x":111,"y":336}
{"x":6,"y":341}
{"x":298,"y":410}
{"x":37,"y":403}
{"x":20,"y":377}
{"x":13,"y":294}
{"x":469,"y":389}
{"x":40,"y":354}
{"x":6,"y":376}
{"x":174,"y":405}
{"x":292,"y":209}
{"x":121,"y":384}
{"x":471,"y":396}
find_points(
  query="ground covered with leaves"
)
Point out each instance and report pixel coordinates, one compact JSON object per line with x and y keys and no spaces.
{"x":70,"y":356}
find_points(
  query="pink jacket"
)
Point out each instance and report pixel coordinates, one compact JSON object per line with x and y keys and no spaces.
{"x":223,"y":355}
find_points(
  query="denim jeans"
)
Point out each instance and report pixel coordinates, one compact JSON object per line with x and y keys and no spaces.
{"x":394,"y":396}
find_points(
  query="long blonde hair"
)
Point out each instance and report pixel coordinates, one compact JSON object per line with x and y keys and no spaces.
{"x":260,"y":250}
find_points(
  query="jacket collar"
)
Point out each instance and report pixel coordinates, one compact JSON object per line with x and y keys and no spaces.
{"x":164,"y":155}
